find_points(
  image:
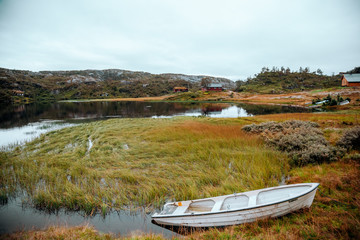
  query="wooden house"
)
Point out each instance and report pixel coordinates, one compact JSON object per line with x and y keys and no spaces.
{"x":350,"y":80}
{"x":17,"y":93}
{"x":181,"y":89}
{"x":213,"y":87}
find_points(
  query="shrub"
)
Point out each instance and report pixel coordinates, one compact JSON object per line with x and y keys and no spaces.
{"x":329,"y":101}
{"x":350,"y":139}
{"x":303,"y":141}
{"x":333,"y":102}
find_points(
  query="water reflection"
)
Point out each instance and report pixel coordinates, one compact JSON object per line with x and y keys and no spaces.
{"x":19,"y":135}
{"x":22,"y":123}
{"x":13,"y":217}
{"x":25,"y":122}
{"x":16,"y":116}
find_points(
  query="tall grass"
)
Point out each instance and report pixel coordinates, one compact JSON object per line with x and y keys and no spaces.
{"x":338,"y":119}
{"x":137,"y":162}
{"x":179,"y":158}
{"x":334,"y":213}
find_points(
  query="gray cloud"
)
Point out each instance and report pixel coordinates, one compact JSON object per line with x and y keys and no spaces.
{"x":228,"y":38}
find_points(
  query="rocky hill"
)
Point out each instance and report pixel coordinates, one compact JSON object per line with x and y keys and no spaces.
{"x":285,"y":81}
{"x":61,"y":85}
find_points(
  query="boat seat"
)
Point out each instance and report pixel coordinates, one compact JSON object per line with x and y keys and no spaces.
{"x":252,"y":200}
{"x":180,"y":209}
{"x":217,"y":206}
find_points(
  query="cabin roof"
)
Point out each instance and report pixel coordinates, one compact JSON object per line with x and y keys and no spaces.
{"x":17,"y":91}
{"x":214,"y":85}
{"x":355,"y":77}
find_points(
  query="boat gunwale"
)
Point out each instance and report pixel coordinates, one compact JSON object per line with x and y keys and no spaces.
{"x":241,"y":209}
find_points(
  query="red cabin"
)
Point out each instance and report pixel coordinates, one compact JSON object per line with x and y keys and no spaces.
{"x":181,"y":89}
{"x":350,"y":80}
{"x":213,"y":87}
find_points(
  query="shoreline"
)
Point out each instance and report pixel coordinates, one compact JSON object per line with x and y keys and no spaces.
{"x":296,"y":99}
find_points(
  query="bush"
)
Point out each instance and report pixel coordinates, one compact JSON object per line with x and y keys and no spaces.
{"x":350,"y":139}
{"x":333,"y":102}
{"x":303,"y":141}
{"x":276,"y":127}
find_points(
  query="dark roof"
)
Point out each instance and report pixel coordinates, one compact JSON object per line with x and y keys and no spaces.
{"x":214,"y":85}
{"x":355,"y":77}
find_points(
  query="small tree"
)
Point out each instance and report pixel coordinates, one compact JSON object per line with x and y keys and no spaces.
{"x":339,"y":98}
{"x":333,"y":102}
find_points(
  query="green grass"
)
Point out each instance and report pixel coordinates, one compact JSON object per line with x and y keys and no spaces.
{"x":139,"y":162}
{"x":334,"y":213}
{"x":326,"y":89}
{"x":179,"y":159}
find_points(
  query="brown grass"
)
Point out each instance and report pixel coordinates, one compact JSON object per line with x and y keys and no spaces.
{"x":180,"y":158}
{"x":73,"y":233}
{"x":333,"y":215}
{"x":325,"y":120}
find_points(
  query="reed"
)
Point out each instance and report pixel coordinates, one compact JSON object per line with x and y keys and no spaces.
{"x":179,"y":159}
{"x":339,"y":119}
{"x":136,"y":162}
{"x":334,"y":214}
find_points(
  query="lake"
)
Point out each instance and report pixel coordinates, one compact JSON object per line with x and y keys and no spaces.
{"x":23,"y":123}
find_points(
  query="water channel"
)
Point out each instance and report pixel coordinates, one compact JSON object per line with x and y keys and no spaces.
{"x":19,"y":124}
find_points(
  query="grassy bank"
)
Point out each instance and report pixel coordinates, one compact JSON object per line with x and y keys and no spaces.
{"x":143,"y":162}
{"x":125,"y":163}
{"x":333,"y":215}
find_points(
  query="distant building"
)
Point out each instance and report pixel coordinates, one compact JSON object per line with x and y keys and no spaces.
{"x":18,"y":93}
{"x":350,"y":80}
{"x":213,"y":87}
{"x":181,"y":89}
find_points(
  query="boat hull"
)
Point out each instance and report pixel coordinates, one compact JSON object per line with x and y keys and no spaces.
{"x":227,"y":218}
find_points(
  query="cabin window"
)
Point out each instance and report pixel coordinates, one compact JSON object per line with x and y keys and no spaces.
{"x":274,"y":195}
{"x":235,"y":202}
{"x":200,"y":206}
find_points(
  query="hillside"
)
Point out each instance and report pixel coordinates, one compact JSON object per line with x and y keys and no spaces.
{"x":87,"y":84}
{"x":286,"y":81}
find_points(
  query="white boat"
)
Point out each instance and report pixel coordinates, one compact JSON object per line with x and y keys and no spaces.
{"x":237,"y":208}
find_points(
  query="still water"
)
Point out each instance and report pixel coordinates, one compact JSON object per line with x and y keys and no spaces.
{"x":16,"y":217}
{"x":19,"y":124}
{"x":25,"y":122}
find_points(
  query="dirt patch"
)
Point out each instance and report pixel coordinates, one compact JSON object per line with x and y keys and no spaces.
{"x":300,"y":98}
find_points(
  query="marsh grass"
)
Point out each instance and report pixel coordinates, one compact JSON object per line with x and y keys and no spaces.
{"x":79,"y":232}
{"x":334,"y":213}
{"x":139,"y":162}
{"x":183,"y":149}
{"x":340,"y":119}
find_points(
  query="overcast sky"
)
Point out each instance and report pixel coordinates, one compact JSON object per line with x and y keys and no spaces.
{"x":229,"y":38}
